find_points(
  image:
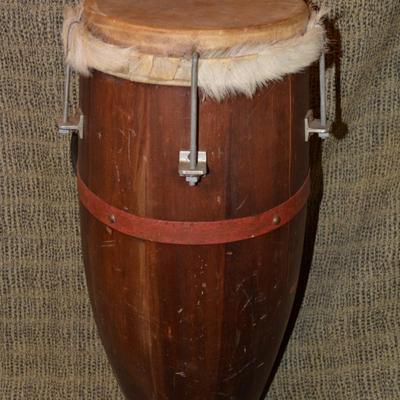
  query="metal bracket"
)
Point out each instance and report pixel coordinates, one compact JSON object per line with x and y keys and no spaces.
{"x":192,"y":175}
{"x":321,"y":127}
{"x":193,"y":163}
{"x":314,"y":126}
{"x":72,"y":124}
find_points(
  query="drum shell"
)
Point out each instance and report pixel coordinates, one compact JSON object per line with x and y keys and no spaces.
{"x":192,"y":322}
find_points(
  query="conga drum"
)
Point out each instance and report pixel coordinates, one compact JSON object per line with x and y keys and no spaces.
{"x":193,"y":178}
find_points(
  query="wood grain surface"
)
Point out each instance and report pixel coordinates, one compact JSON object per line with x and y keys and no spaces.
{"x":192,"y":322}
{"x":176,"y":27}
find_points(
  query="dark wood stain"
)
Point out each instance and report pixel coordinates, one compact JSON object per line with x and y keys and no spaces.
{"x":192,"y":322}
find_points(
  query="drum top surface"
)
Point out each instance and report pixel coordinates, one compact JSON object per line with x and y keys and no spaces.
{"x":176,"y":27}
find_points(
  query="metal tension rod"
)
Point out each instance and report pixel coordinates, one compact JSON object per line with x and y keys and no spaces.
{"x":322,"y":89}
{"x":67,"y":124}
{"x":193,"y":163}
{"x":66,"y":92}
{"x":321,"y":127}
{"x":194,"y":111}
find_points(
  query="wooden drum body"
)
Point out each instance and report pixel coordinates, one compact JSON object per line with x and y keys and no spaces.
{"x":181,"y":321}
{"x":192,"y":286}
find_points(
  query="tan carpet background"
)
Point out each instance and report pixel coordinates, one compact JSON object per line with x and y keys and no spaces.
{"x":345,"y":342}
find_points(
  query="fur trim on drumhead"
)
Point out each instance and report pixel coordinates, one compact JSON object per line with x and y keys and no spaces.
{"x":241,"y":69}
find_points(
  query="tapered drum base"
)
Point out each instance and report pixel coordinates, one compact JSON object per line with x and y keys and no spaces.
{"x":192,"y":322}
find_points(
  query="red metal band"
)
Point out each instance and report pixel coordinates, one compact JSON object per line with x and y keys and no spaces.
{"x":193,"y":233}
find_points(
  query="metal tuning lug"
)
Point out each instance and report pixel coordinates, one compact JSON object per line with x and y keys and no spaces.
{"x":322,"y":127}
{"x":314,"y":126}
{"x":193,"y":163}
{"x":72,"y":124}
{"x":192,"y":175}
{"x":69,"y":124}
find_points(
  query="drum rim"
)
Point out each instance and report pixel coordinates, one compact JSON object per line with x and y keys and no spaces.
{"x":239,"y":70}
{"x":119,"y":31}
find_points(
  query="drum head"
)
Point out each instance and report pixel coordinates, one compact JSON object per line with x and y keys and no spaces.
{"x":178,"y":27}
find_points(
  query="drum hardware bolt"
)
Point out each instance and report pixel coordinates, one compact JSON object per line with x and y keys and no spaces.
{"x":321,"y":127}
{"x":112,"y":219}
{"x":193,"y":163}
{"x":276,"y":220}
{"x":70,"y":124}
